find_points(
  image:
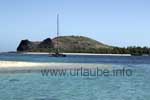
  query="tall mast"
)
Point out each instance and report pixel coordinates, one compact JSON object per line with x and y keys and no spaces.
{"x":57,"y":25}
{"x":57,"y":51}
{"x":57,"y":54}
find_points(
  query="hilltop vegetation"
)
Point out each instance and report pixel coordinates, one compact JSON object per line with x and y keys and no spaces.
{"x":78,"y":44}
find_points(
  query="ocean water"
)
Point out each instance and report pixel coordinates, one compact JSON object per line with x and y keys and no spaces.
{"x":35,"y":86}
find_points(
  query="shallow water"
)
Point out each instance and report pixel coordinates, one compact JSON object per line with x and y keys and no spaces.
{"x":34,"y":86}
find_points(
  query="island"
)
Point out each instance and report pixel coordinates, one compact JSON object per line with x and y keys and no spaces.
{"x":78,"y":44}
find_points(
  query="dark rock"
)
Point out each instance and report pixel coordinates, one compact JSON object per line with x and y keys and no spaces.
{"x":47,"y":43}
{"x":24,"y":45}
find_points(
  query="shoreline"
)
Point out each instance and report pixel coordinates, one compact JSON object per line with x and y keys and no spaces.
{"x":84,"y":54}
{"x":97,"y":54}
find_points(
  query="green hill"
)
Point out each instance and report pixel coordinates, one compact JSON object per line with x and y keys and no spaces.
{"x":65,"y":44}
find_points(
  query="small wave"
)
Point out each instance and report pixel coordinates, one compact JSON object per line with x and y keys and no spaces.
{"x":46,"y":98}
{"x":13,"y":80}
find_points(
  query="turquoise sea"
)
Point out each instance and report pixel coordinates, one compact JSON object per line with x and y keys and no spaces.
{"x":34,"y":86}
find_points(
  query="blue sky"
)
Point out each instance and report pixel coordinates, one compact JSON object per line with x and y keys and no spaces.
{"x":113,"y":22}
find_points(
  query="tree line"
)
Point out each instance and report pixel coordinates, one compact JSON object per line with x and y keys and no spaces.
{"x":133,"y":50}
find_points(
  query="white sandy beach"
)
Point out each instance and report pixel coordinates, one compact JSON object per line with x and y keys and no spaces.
{"x":37,"y":65}
{"x":79,"y":54}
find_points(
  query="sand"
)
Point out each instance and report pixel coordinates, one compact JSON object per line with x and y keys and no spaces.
{"x":79,"y":54}
{"x":52,"y":65}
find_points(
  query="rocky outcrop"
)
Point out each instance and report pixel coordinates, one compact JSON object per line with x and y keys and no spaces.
{"x":47,"y":43}
{"x":26,"y":45}
{"x":29,"y":46}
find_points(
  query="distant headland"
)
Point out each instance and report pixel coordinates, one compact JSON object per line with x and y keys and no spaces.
{"x":78,"y":44}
